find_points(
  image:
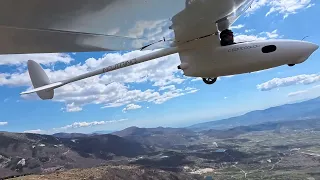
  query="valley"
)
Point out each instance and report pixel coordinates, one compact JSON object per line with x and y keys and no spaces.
{"x":255,"y":152}
{"x":282,"y":149}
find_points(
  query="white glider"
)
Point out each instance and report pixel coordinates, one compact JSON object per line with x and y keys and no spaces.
{"x":187,"y":27}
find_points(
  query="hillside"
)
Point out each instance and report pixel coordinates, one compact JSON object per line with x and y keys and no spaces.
{"x":22,"y":153}
{"x":304,"y":110}
{"x":160,"y":137}
{"x":115,"y":172}
{"x":70,"y":135}
{"x":277,"y":127}
{"x":273,"y":150}
{"x":267,"y":143}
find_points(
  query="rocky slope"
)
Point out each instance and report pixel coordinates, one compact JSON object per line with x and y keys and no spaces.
{"x":114,"y":173}
{"x":33,"y":153}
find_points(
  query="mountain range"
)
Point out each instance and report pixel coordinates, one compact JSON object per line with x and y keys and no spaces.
{"x":170,"y":149}
{"x":309,"y":109}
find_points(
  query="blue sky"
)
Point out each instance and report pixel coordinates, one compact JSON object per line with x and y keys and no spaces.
{"x":155,"y":93}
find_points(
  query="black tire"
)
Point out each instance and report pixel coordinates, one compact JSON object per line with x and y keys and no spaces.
{"x":209,"y":80}
{"x":291,"y":65}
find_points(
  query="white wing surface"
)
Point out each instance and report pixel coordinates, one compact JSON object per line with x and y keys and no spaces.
{"x":45,"y":26}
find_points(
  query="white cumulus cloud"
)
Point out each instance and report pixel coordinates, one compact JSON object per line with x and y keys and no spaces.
{"x":256,"y":37}
{"x":72,"y":108}
{"x":287,"y":7}
{"x":131,"y":107}
{"x":36,"y":131}
{"x":3,"y":123}
{"x":304,"y":79}
{"x":272,"y":35}
{"x":171,"y":87}
{"x":237,"y":26}
{"x":45,"y":58}
{"x":77,"y":125}
{"x":246,"y":38}
{"x":283,"y":7}
{"x":257,"y":4}
{"x":297,"y":93}
{"x":249,"y":30}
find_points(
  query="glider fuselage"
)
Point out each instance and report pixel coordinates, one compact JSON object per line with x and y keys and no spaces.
{"x":213,"y":61}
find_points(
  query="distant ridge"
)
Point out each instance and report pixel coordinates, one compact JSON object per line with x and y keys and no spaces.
{"x":298,"y":111}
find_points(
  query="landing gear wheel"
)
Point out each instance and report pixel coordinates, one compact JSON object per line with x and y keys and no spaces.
{"x":291,"y":65}
{"x":209,"y":80}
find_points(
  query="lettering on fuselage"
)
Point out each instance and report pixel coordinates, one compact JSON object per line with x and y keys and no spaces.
{"x":243,"y":48}
{"x":120,"y":65}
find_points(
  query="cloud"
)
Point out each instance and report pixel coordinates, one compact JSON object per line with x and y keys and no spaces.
{"x":287,"y":7}
{"x":297,"y":93}
{"x":261,"y":36}
{"x":249,"y":30}
{"x":77,"y":125}
{"x":191,"y":90}
{"x":72,"y":108}
{"x":3,"y":123}
{"x":284,"y":7}
{"x":46,"y":58}
{"x":238,"y":26}
{"x":316,"y":86}
{"x":271,"y":35}
{"x":196,"y":79}
{"x":37,"y":131}
{"x":171,"y":87}
{"x":257,"y":4}
{"x":304,"y":79}
{"x":131,"y":107}
{"x":230,"y":76}
{"x":245,"y":38}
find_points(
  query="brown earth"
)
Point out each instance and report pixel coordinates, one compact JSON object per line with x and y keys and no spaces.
{"x":114,"y":173}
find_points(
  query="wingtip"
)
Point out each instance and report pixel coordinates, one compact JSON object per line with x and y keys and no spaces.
{"x":23,"y":93}
{"x":26,"y":92}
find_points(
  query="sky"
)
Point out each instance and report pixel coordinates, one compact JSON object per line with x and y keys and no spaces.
{"x":155,"y":93}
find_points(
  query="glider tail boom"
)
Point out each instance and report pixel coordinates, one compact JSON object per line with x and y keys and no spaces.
{"x":45,"y":89}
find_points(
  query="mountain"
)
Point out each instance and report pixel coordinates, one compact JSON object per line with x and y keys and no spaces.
{"x":102,"y":132}
{"x":70,"y":135}
{"x":22,"y":153}
{"x":276,"y":127}
{"x":284,"y":148}
{"x":159,"y":137}
{"x":79,"y":135}
{"x":304,"y":110}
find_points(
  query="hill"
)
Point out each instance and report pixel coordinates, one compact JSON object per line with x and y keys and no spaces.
{"x":22,"y":153}
{"x":115,"y":172}
{"x":70,"y":135}
{"x":298,"y":111}
{"x":277,"y":127}
{"x":159,"y":137}
{"x":273,"y":150}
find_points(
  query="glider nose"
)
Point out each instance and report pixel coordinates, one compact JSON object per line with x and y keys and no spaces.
{"x":316,"y":47}
{"x":313,"y":47}
{"x":307,"y":49}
